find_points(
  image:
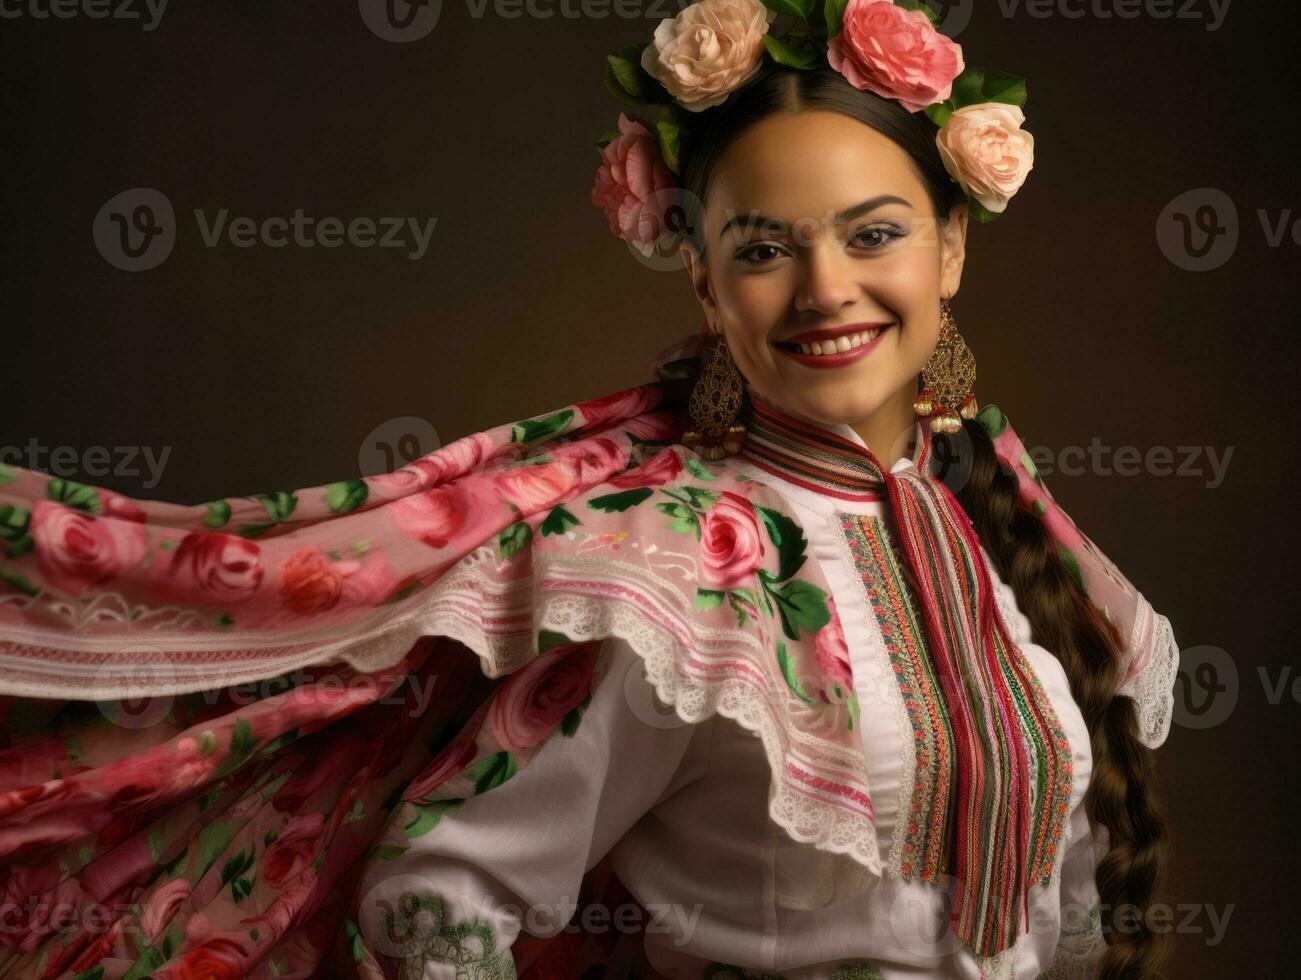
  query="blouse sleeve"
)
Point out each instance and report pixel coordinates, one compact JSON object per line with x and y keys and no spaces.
{"x":1080,"y":944}
{"x":512,"y":859}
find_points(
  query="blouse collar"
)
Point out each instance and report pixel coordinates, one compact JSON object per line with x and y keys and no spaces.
{"x":827,"y":458}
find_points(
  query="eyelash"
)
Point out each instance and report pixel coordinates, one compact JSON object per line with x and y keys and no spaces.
{"x":891,"y":232}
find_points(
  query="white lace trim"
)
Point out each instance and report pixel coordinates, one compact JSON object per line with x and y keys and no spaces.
{"x":1078,"y":953}
{"x":806,"y":819}
{"x":1153,"y":687}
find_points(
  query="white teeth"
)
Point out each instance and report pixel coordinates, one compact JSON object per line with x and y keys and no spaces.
{"x":840,"y":344}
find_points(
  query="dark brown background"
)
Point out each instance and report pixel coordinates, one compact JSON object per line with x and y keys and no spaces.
{"x":265,"y":369}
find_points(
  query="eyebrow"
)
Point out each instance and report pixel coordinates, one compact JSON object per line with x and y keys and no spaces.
{"x":849,"y":214}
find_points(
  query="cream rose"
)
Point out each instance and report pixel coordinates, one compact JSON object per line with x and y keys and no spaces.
{"x":708,"y":50}
{"x":987,"y":152}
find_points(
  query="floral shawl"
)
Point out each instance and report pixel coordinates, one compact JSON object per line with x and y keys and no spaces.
{"x":225,"y":723}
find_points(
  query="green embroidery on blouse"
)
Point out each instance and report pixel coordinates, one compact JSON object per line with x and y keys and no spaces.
{"x":856,"y":971}
{"x":725,"y":971}
{"x":424,"y":932}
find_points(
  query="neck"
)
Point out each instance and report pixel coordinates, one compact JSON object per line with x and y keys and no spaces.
{"x":888,"y":431}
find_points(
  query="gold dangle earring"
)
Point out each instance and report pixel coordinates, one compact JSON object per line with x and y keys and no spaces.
{"x":715,"y":402}
{"x":947,"y":379}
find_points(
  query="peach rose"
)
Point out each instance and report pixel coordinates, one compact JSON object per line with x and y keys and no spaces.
{"x":896,"y":53}
{"x":219,"y":958}
{"x":220,"y":567}
{"x":530,"y":702}
{"x":634,"y":186}
{"x":708,"y":50}
{"x":987,"y":152}
{"x":75,"y":549}
{"x":731,"y":545}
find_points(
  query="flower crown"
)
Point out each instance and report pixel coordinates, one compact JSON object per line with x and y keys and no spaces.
{"x":714,"y":47}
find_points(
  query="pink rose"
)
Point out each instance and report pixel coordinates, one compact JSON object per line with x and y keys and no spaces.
{"x":162,"y":906}
{"x":617,"y":406}
{"x":454,"y":757}
{"x":708,"y":50}
{"x":435,"y":516}
{"x":591,"y":461}
{"x":832,"y":653}
{"x":75,"y":549}
{"x":530,"y":702}
{"x":896,"y":53}
{"x":664,"y":467}
{"x":634,"y":186}
{"x":987,"y":152}
{"x":217,"y":567}
{"x":293,"y":850}
{"x":443,"y":464}
{"x":310,"y":582}
{"x":731,"y":546}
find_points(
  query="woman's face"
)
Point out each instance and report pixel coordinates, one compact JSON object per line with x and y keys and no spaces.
{"x":817,"y":223}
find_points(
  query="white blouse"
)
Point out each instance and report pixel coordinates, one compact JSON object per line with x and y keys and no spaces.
{"x":691,"y":838}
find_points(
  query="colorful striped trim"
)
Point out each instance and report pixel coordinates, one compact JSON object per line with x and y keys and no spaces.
{"x":813,"y":457}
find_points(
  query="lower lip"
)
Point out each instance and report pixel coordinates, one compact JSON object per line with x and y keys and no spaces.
{"x":835,"y":360}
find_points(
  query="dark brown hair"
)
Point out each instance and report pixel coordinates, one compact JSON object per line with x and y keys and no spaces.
{"x":1121,"y":794}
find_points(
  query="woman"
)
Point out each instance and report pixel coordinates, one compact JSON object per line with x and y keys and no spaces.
{"x":774,"y":667}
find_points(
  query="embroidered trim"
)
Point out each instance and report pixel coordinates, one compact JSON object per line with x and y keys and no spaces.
{"x":1078,"y":951}
{"x":919,"y":830}
{"x":470,"y":945}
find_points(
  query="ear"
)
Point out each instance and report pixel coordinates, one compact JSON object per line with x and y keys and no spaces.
{"x":699,"y":273}
{"x":953,"y":250}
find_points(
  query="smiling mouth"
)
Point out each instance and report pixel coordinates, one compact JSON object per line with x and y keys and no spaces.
{"x":836,"y":345}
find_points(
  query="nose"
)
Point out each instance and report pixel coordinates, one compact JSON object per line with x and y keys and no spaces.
{"x":829,"y":283}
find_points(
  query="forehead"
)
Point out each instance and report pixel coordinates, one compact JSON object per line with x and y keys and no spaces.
{"x":809,"y":163}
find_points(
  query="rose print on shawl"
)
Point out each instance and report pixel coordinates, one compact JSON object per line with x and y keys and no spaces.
{"x":832,"y":653}
{"x":79,"y":544}
{"x":533,"y":700}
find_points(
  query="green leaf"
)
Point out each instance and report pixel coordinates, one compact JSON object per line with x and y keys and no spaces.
{"x":541,"y":429}
{"x":635,"y":82}
{"x":699,"y":470}
{"x":218,"y":514}
{"x":700,"y":498}
{"x":853,"y":711}
{"x":7,"y":474}
{"x":606,"y":139}
{"x":427,"y":817}
{"x":684,"y":367}
{"x":617,"y":503}
{"x":574,"y":717}
{"x":1002,"y":87}
{"x":709,"y":598}
{"x":241,"y":737}
{"x":939,"y":112}
{"x":802,"y":606}
{"x":833,"y":13}
{"x":558,"y":521}
{"x":980,"y":212}
{"x":345,"y":496}
{"x":75,"y":495}
{"x":787,"y":664}
{"x":782,"y":53}
{"x":212,"y":840}
{"x":788,"y":538}
{"x":684,"y":518}
{"x":796,"y":8}
{"x":388,"y":852}
{"x":18,"y":582}
{"x":491,"y":772}
{"x":993,"y":419}
{"x":1072,"y":566}
{"x":669,"y":133}
{"x":515,"y":537}
{"x":278,"y":505}
{"x":550,"y":638}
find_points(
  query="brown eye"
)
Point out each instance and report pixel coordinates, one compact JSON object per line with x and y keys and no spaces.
{"x":752,"y":256}
{"x":877,"y":236}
